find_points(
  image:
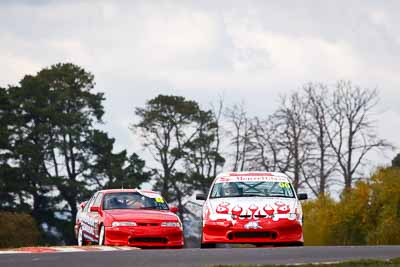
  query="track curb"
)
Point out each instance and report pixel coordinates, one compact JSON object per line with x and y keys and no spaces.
{"x":68,"y":249}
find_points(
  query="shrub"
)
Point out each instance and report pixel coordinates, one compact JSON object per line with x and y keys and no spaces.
{"x":367,"y":214}
{"x":350,"y":226}
{"x":384,"y":226}
{"x":318,"y":215}
{"x":17,"y":230}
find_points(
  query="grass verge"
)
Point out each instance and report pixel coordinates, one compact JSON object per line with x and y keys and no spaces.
{"x":357,"y":263}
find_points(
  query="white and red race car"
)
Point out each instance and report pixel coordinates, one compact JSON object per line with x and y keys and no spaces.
{"x":260,"y":208}
{"x":128,"y":217}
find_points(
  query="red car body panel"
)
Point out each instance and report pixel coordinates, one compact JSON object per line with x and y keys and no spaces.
{"x":266,"y":220}
{"x":148,"y":231}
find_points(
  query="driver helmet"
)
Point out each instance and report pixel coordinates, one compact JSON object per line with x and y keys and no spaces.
{"x":230,"y":189}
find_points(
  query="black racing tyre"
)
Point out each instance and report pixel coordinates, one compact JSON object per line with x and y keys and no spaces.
{"x":291,"y":244}
{"x":208,"y":245}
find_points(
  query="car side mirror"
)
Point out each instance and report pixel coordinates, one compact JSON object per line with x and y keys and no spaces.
{"x":83,"y":204}
{"x":173,"y":209}
{"x":94,"y":209}
{"x":200,"y":197}
{"x":302,"y":196}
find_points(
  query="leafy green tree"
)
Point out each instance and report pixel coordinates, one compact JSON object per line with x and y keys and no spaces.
{"x":55,"y":118}
{"x":202,"y":156}
{"x":58,"y":157}
{"x":9,"y":187}
{"x":174,"y":129}
{"x":114,"y":170}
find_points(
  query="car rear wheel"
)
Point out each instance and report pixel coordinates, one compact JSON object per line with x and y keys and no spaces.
{"x":102,"y":236}
{"x":81,"y":240}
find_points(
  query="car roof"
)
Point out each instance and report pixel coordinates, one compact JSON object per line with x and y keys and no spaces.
{"x":106,"y":191}
{"x":252,"y":173}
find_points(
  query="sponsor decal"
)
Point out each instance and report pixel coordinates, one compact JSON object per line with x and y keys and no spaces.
{"x":157,"y":197}
{"x":237,"y":210}
{"x":87,"y":229}
{"x":159,"y":200}
{"x":284,"y":185}
{"x":283,"y":208}
{"x":222,"y":208}
{"x":226,"y":179}
{"x":252,"y":225}
{"x":89,"y":224}
{"x":269,"y":210}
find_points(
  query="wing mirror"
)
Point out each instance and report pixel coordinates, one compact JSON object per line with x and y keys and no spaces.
{"x":83,"y":204}
{"x":173,"y":209}
{"x":302,"y":196}
{"x":94,"y":209}
{"x":200,"y":197}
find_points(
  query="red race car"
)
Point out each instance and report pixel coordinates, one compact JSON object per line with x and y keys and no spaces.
{"x":252,"y":207}
{"x":128,"y":217}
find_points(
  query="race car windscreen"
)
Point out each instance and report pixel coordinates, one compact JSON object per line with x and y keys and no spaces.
{"x":132,"y":200}
{"x":252,"y":189}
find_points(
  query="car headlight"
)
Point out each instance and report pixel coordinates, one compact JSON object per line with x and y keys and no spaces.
{"x":170,"y":224}
{"x":115,"y":224}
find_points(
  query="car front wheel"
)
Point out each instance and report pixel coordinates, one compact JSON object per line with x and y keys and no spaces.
{"x":81,"y":241}
{"x":102,"y":236}
{"x":206,"y":245}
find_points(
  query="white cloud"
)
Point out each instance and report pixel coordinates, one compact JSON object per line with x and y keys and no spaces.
{"x":251,"y":51}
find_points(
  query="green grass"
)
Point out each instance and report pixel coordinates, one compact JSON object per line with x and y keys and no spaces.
{"x":358,"y":263}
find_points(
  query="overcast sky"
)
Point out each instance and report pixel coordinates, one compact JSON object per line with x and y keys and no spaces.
{"x":249,"y":51}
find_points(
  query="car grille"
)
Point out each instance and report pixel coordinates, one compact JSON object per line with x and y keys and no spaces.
{"x":147,"y":224}
{"x":148,"y":240}
{"x":238,"y":235}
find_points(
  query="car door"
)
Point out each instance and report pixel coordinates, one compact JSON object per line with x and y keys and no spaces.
{"x":95,"y":216}
{"x":86,"y":221}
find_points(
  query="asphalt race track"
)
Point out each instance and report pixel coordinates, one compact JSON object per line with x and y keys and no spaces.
{"x":200,"y":257}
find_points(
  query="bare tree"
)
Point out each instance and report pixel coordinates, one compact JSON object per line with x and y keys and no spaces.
{"x":322,"y":161}
{"x":218,"y":114}
{"x":240,"y":135}
{"x":292,"y":127}
{"x":264,"y":150}
{"x":351,"y":131}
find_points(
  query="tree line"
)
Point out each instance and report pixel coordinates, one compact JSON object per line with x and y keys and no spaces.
{"x":319,"y":136}
{"x":53,"y":155}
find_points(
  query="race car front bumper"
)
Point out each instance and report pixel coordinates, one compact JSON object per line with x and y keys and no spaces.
{"x":265,"y":231}
{"x":146,"y":236}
